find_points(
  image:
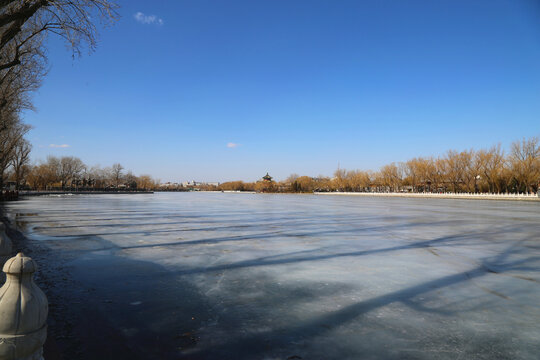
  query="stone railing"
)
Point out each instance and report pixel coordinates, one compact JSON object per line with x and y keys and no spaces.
{"x":23,"y":307}
{"x":444,"y":195}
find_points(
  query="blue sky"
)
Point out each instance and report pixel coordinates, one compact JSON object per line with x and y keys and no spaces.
{"x":220,"y":90}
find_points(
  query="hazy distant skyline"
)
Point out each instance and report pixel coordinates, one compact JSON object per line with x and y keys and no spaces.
{"x":218,"y":91}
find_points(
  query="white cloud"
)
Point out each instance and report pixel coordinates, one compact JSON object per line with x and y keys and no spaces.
{"x":148,"y":19}
{"x":232,"y":145}
{"x":59,"y":146}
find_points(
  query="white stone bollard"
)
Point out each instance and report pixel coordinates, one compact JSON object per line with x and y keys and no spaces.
{"x":23,"y":312}
{"x":5,"y":245}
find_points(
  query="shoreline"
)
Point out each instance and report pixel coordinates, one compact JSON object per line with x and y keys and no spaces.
{"x":84,"y":192}
{"x":454,"y":196}
{"x":512,"y":197}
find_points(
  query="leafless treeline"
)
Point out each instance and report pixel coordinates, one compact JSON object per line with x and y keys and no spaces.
{"x":70,"y":172}
{"x":486,"y":170}
{"x":24,"y":27}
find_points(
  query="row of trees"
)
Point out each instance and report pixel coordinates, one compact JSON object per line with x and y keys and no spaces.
{"x":70,"y":172}
{"x":260,"y":186}
{"x":486,"y":170}
{"x":24,"y":27}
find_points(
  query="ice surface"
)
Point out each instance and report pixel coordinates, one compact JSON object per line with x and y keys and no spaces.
{"x":256,"y":276}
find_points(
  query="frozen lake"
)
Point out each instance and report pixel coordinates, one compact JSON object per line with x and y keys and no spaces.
{"x":256,"y":276}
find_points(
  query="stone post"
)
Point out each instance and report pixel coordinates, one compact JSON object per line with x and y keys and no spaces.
{"x":5,"y":245}
{"x":23,"y":312}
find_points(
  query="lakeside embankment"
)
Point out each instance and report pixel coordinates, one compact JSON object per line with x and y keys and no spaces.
{"x":83,"y":192}
{"x":460,"y":196}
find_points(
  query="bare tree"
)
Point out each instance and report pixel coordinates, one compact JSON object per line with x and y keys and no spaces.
{"x":9,"y":139}
{"x":525,"y":162}
{"x":145,"y":182}
{"x":493,"y":165}
{"x":304,"y":184}
{"x":291,"y":179}
{"x":20,"y":160}
{"x":65,"y":169}
{"x":391,"y":176}
{"x":457,"y":167}
{"x":24,"y":26}
{"x":71,"y":169}
{"x":41,"y":176}
{"x":412,"y":173}
{"x":73,"y":20}
{"x":55,"y":169}
{"x":358,"y":180}
{"x":130,"y":180}
{"x":340,"y":179}
{"x":116,"y":172}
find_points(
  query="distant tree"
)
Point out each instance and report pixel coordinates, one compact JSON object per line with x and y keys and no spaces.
{"x":323,"y":183}
{"x":304,"y":184}
{"x":98,"y":178}
{"x":55,"y":169}
{"x":265,"y":186}
{"x":250,"y":186}
{"x":525,"y":163}
{"x":232,"y":186}
{"x":291,"y":178}
{"x":40,"y":176}
{"x":467,"y":162}
{"x":145,"y":182}
{"x":391,"y":177}
{"x":457,"y":168}
{"x":492,"y":166}
{"x":130,"y":180}
{"x":116,"y":173}
{"x":359,"y":180}
{"x":71,"y":168}
{"x":340,"y":179}
{"x":412,"y":173}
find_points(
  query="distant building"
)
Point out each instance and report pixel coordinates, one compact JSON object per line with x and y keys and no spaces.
{"x":266,"y":184}
{"x":170,"y":185}
{"x":199,"y":183}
